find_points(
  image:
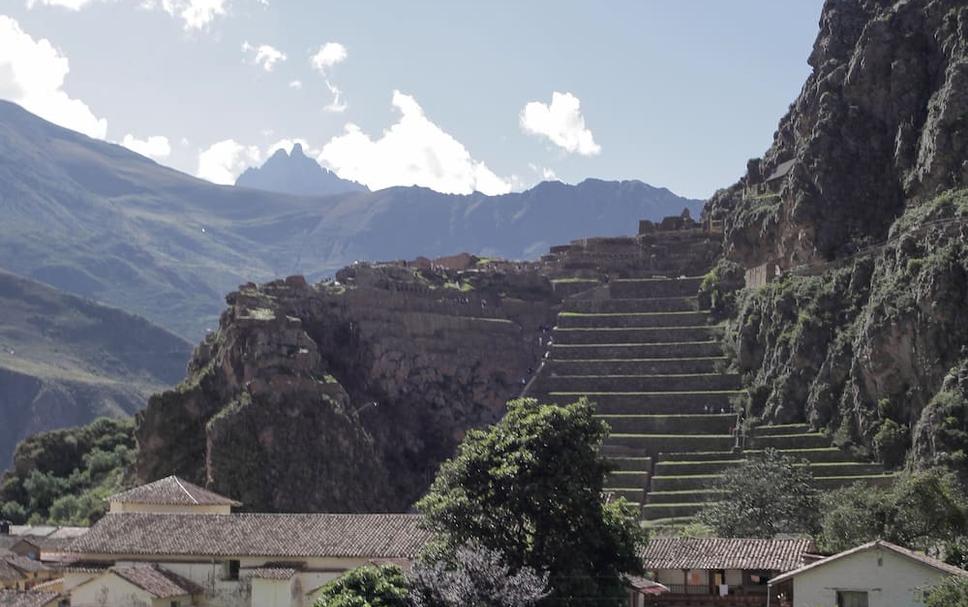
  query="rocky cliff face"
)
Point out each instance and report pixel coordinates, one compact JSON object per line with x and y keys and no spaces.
{"x":881,"y":124}
{"x":858,"y":204}
{"x":346,"y":395}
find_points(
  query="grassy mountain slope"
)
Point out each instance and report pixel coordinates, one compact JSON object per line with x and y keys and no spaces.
{"x":98,"y":220}
{"x":65,"y":360}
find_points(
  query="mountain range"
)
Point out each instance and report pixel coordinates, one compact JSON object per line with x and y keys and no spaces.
{"x":100,"y":221}
{"x":296,"y":173}
{"x":65,"y":360}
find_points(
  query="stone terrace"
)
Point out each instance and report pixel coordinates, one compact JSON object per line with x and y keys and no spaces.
{"x":633,"y":339}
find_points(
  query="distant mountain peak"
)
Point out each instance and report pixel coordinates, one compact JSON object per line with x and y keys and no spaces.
{"x":295,"y":173}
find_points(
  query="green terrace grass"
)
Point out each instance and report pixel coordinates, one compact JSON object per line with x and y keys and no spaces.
{"x":637,"y":360}
{"x":683,"y":437}
{"x":704,"y":461}
{"x":573,"y":280}
{"x":696,"y":416}
{"x":640,"y":343}
{"x":630,"y":280}
{"x":636,"y":314}
{"x":649,"y":375}
{"x":661,"y":392}
{"x":602,"y":329}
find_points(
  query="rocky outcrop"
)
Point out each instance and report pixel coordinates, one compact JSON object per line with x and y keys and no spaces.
{"x":881,"y":124}
{"x":857,"y":204}
{"x":346,"y":395}
{"x":872,"y":347}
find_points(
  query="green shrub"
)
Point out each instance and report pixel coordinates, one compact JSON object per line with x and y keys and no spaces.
{"x":950,"y":592}
{"x":367,"y":586}
{"x":891,"y":442}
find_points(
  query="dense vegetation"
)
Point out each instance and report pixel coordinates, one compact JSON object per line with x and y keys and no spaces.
{"x":530,"y":487}
{"x":769,"y":494}
{"x":926,"y":511}
{"x":476,"y":576}
{"x":63,"y":477}
{"x":950,"y":592}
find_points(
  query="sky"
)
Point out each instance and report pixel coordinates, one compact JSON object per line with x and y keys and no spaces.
{"x":455,"y":95}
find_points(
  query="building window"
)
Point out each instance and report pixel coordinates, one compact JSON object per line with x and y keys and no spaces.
{"x":851,"y":598}
{"x":232,"y":570}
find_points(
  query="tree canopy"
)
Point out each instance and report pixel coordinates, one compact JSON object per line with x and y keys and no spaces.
{"x":478,"y":577}
{"x":367,"y":586}
{"x":530,"y":487}
{"x":768,"y":494}
{"x":926,"y":511}
{"x":950,"y":592}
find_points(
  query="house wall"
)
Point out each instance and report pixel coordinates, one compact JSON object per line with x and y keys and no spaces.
{"x":119,"y":507}
{"x":274,"y":593}
{"x":892,"y":581}
{"x":109,"y":590}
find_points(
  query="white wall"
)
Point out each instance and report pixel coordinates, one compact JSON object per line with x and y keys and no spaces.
{"x":109,"y":590}
{"x":273,"y":593}
{"x":118,"y":507}
{"x":890,"y":579}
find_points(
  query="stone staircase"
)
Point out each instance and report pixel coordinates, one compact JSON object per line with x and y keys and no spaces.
{"x":652,"y":361}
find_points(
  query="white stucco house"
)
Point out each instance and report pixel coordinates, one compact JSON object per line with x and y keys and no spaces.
{"x":876,"y":574}
{"x":174,"y":544}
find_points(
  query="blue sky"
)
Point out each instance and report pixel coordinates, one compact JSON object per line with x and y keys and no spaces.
{"x":678,"y":93}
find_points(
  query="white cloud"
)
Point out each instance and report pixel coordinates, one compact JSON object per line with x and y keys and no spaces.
{"x":32,"y":74}
{"x":222,"y":162}
{"x":561,"y":122}
{"x":74,"y":5}
{"x":196,"y":14}
{"x":156,"y":146}
{"x":414,"y":151}
{"x":337,"y":105}
{"x":327,"y":56}
{"x":295,"y":84}
{"x":264,"y":55}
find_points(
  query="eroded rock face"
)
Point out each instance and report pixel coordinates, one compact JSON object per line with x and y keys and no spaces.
{"x":881,"y":123}
{"x":873,"y":348}
{"x":345,"y":396}
{"x":860,"y":202}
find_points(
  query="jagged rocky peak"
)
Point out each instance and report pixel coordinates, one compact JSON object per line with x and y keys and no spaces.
{"x":295,"y":173}
{"x":879,"y":125}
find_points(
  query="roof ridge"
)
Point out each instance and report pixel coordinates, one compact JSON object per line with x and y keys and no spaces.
{"x":187,"y":492}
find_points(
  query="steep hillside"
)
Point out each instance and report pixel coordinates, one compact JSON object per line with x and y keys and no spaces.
{"x":97,"y":220}
{"x":295,"y":173}
{"x":860,"y":204}
{"x":346,"y":395}
{"x":880,"y":125}
{"x":65,"y":360}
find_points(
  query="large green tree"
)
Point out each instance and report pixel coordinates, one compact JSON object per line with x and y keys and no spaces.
{"x":950,"y":592}
{"x":367,"y":586}
{"x":927,"y":511}
{"x":768,"y":494}
{"x":530,"y":487}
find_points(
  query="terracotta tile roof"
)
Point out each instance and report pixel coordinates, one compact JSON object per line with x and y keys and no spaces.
{"x":9,"y":573}
{"x":877,"y":544}
{"x":172,"y":490}
{"x":15,"y":598}
{"x":25,"y":564}
{"x":278,"y":536}
{"x":156,"y":581}
{"x":725,"y":553}
{"x":13,"y":567}
{"x":271,"y":573}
